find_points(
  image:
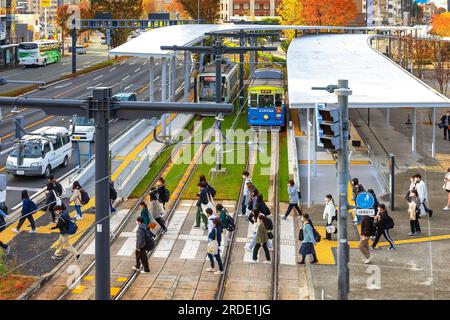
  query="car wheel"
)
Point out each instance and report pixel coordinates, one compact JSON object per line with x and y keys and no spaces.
{"x":65,"y":162}
{"x":48,"y":171}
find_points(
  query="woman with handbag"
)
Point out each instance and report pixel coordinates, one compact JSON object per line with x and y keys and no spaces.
{"x":309,"y":240}
{"x":446,"y":187}
{"x":214,"y":239}
{"x":381,"y":222}
{"x":329,"y":215}
{"x":156,"y":211}
{"x":145,"y":215}
{"x":261,"y":239}
{"x":414,"y":212}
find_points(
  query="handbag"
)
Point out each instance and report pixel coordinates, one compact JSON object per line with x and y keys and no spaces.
{"x":270,"y":235}
{"x":331,"y":229}
{"x":152,"y":225}
{"x":210,"y":203}
{"x":300,"y":235}
{"x":213,"y":246}
{"x":58,"y":201}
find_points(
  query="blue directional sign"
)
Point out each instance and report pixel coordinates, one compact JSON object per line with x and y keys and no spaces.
{"x":365,"y":200}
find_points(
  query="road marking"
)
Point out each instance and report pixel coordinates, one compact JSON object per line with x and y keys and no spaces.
{"x":157,"y":78}
{"x":137,"y":70}
{"x":190,"y":249}
{"x":125,"y":78}
{"x":144,"y":63}
{"x":29,"y":126}
{"x":113,"y":69}
{"x":248,"y":255}
{"x":63,"y":85}
{"x":10,"y":188}
{"x":96,"y":78}
{"x":128,"y":87}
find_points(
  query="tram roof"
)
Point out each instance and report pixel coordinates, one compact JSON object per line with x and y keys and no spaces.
{"x":376,"y":81}
{"x":149,"y":43}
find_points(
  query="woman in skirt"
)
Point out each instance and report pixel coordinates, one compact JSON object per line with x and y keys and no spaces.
{"x":308,"y":240}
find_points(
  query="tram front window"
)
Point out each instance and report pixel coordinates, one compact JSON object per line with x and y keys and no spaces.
{"x":265,"y":100}
{"x":207,"y":88}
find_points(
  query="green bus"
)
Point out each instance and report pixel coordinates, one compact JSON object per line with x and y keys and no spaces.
{"x":39,"y":53}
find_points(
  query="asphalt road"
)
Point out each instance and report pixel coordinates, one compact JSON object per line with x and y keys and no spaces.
{"x":130,"y":75}
{"x":95,"y":53}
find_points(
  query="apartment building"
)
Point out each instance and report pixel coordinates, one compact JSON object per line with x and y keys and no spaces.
{"x":384,"y":12}
{"x":252,"y":8}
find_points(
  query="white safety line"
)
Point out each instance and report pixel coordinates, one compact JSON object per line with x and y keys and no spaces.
{"x":287,"y":241}
{"x":125,"y":78}
{"x":190,"y":249}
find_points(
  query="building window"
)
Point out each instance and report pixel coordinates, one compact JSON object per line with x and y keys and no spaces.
{"x":266,"y":6}
{"x":236,"y":6}
{"x":246,"y":6}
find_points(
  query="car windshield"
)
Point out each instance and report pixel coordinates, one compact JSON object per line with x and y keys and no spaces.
{"x":27,"y":149}
{"x":83,"y":121}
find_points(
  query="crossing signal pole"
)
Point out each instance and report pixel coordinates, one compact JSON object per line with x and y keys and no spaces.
{"x":335,"y":127}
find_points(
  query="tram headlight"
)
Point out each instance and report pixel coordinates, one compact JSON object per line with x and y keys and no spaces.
{"x":266,"y":117}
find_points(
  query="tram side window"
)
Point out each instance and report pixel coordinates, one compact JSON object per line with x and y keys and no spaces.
{"x":253,"y":100}
{"x":278,"y":100}
{"x":265,"y":100}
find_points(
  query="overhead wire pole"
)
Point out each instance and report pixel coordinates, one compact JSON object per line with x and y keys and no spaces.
{"x":102,"y":107}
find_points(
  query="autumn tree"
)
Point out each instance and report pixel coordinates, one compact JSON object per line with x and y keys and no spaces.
{"x":290,"y":12}
{"x":209,"y":9}
{"x":327,"y":13}
{"x":441,"y":24}
{"x":176,"y":8}
{"x":149,"y":6}
{"x":120,"y":9}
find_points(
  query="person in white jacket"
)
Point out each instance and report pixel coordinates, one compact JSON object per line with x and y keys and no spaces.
{"x":446,"y":187}
{"x":329,"y":213}
{"x":423,"y":195}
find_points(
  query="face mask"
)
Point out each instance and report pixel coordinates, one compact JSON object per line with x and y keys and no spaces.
{"x":302,"y":219}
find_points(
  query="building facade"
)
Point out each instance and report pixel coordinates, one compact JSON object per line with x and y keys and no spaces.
{"x":384,"y":12}
{"x":250,"y":8}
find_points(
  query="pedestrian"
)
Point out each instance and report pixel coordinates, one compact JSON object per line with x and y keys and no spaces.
{"x":211,"y":191}
{"x":112,"y":195}
{"x":261,"y":239}
{"x":226,"y":220}
{"x":211,"y":217}
{"x":76,"y":198}
{"x":28,"y":209}
{"x":261,"y":205}
{"x":214,"y":240}
{"x":141,"y":247}
{"x":202,"y":199}
{"x":59,"y":189}
{"x":445,"y":124}
{"x":63,"y":240}
{"x":329,"y":215}
{"x":446,"y":187}
{"x":421,"y":188}
{"x":269,"y":227}
{"x":145,"y":215}
{"x":50,"y":200}
{"x":375,"y":202}
{"x":293,"y":199}
{"x":253,"y":218}
{"x":162,"y":191}
{"x":367,"y":231}
{"x":157,"y":211}
{"x":246,"y":177}
{"x":248,"y":198}
{"x":308,"y":240}
{"x":383,"y":223}
{"x":254,"y":200}
{"x":4,"y":246}
{"x":357,"y":188}
{"x":414,"y":213}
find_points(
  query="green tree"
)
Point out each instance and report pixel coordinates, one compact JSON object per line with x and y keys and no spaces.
{"x":120,"y":9}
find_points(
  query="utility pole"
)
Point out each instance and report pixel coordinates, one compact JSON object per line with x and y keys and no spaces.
{"x":343,"y":175}
{"x":102,"y":107}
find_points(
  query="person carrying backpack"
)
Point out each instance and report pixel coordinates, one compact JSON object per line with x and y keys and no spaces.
{"x":309,"y":240}
{"x":144,"y":243}
{"x":246,"y":177}
{"x":59,"y":189}
{"x":157,"y":212}
{"x":112,"y":195}
{"x":227,"y":222}
{"x":212,"y":192}
{"x":67,"y":227}
{"x":77,"y":198}
{"x":383,"y":222}
{"x":162,"y":192}
{"x":28,"y":209}
{"x":357,"y":188}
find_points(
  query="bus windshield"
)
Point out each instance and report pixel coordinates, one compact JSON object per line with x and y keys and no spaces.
{"x":83,"y":121}
{"x":27,"y":149}
{"x":265,"y":100}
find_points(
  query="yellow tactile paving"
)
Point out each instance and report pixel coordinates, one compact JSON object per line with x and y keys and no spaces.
{"x":78,"y":289}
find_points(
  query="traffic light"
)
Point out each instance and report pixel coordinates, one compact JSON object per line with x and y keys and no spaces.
{"x":328,"y":127}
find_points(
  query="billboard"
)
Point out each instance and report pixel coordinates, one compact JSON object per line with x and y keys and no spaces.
{"x":46,"y":3}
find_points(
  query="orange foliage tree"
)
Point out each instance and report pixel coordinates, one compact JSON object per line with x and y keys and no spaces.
{"x":328,"y":13}
{"x":441,"y":24}
{"x":175,"y":7}
{"x":149,"y":6}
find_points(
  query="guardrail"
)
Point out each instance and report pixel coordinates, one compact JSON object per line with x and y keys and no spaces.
{"x":382,"y":169}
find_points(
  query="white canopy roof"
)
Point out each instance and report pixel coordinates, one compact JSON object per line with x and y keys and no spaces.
{"x":148,"y":44}
{"x":320,"y":60}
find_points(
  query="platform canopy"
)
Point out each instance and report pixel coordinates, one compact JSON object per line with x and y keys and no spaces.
{"x":376,"y":81}
{"x":148,"y":44}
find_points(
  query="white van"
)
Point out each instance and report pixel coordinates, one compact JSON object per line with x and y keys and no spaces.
{"x":40,"y":153}
{"x":84,"y":129}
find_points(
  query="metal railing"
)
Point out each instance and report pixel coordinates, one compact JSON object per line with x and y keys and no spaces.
{"x":381,"y":168}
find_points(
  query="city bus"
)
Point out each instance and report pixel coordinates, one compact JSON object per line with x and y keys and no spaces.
{"x":39,"y":53}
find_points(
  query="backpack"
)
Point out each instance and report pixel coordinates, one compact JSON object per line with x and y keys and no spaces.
{"x":59,"y":189}
{"x":112,"y":191}
{"x":211,"y":191}
{"x":269,"y":224}
{"x":317,"y":235}
{"x":71,"y":226}
{"x":166,"y":195}
{"x":84,"y":197}
{"x":149,"y":238}
{"x":230,"y":224}
{"x":3,"y":207}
